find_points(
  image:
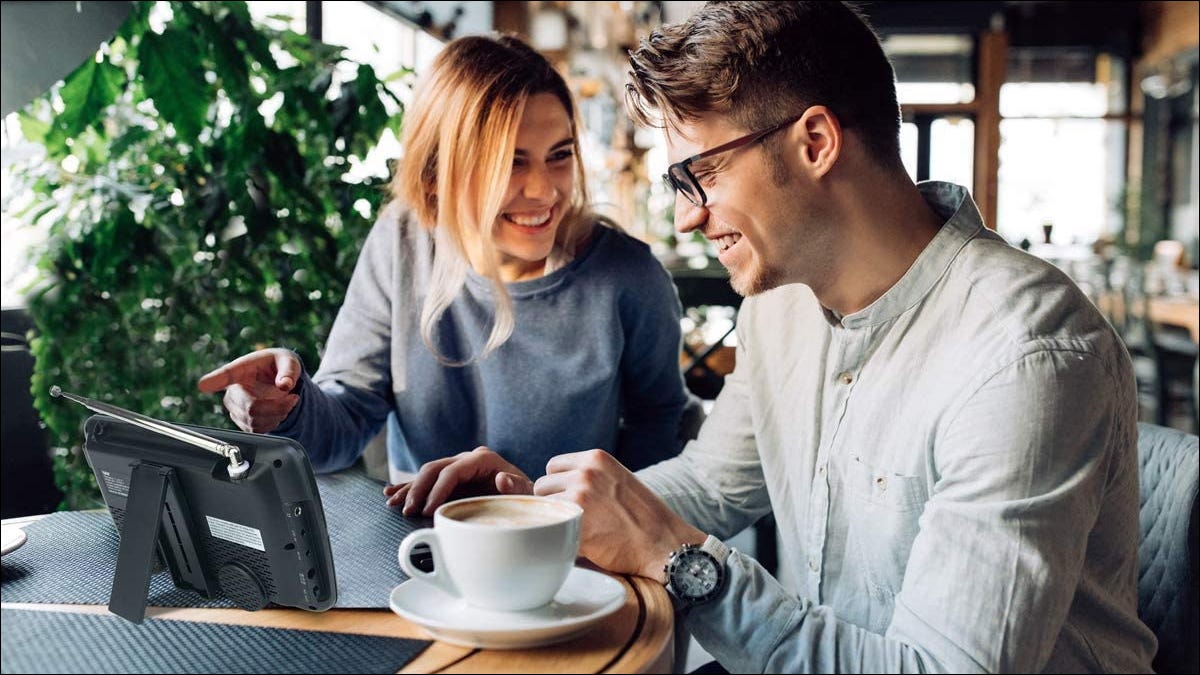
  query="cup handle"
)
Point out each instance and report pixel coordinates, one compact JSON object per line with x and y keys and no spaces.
{"x":440,"y":576}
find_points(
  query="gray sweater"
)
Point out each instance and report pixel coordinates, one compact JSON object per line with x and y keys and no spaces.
{"x":593,"y":361}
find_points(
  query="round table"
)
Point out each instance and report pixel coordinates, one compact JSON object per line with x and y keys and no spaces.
{"x":638,"y":638}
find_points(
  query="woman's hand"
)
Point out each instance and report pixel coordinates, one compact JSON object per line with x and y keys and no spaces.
{"x":258,"y":388}
{"x":467,"y":474}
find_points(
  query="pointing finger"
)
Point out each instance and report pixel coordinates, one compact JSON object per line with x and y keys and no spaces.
{"x":241,"y":370}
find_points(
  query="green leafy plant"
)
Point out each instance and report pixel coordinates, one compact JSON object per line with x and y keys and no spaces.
{"x":195,"y":194}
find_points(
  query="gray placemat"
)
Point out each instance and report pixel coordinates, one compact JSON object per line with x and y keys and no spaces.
{"x":70,"y":557}
{"x":365,"y":535}
{"x":62,"y":642}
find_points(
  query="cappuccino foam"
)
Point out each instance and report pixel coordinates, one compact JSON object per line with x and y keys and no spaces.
{"x":510,"y":512}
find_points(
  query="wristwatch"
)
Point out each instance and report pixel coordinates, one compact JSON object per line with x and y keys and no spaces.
{"x":697,"y":574}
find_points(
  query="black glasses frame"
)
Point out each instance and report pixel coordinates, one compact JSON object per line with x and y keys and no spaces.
{"x":679,"y":176}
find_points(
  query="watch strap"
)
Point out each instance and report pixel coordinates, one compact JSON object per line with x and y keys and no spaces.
{"x":717,"y":549}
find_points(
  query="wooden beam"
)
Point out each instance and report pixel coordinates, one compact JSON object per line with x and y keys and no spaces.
{"x":511,"y":17}
{"x":939,"y":109}
{"x":1170,"y":28}
{"x":993,"y":63}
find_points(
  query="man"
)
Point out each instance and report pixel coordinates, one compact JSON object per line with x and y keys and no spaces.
{"x":943,"y":425}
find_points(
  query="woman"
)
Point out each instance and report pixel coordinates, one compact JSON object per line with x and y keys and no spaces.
{"x":489,"y":307}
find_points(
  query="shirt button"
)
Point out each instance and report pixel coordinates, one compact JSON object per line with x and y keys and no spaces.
{"x":812,"y":564}
{"x":821,"y":470}
{"x":846,"y":378}
{"x":882,"y":483}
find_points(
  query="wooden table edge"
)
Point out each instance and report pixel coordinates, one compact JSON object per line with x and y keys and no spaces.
{"x":650,"y":648}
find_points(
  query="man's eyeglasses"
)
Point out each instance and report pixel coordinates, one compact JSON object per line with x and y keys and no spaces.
{"x":679,"y":175}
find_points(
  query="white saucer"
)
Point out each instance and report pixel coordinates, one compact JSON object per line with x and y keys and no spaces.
{"x":13,"y":539}
{"x":585,"y":598}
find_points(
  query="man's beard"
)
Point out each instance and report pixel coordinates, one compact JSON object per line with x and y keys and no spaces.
{"x":758,"y":279}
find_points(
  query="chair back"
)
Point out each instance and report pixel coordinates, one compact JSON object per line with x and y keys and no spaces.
{"x":1169,"y":463}
{"x":705,"y":362}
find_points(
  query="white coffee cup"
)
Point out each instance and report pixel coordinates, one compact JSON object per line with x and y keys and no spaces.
{"x":505,"y":552}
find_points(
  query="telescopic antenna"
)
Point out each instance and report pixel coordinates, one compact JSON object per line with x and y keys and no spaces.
{"x":237,"y":466}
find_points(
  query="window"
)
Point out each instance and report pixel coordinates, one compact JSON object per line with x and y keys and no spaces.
{"x":935,"y":87}
{"x":1062,"y":146}
{"x":389,"y":45}
{"x":290,"y":14}
{"x":16,"y":266}
{"x":939,"y":147}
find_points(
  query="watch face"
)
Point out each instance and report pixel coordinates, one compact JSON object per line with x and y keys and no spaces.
{"x":695,"y":575}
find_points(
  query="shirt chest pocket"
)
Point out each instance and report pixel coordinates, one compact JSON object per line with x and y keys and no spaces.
{"x":883,"y":509}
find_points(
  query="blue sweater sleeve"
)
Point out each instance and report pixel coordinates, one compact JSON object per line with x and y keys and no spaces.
{"x":651,"y":380}
{"x":333,"y":422}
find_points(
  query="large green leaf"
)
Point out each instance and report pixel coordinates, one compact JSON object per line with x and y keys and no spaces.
{"x":33,"y":129}
{"x":226,"y":38}
{"x":85,"y":94}
{"x":173,"y":75}
{"x":254,"y":40}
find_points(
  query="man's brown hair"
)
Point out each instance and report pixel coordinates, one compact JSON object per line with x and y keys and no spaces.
{"x":762,"y":62}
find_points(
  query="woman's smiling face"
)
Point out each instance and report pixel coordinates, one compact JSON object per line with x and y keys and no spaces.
{"x":539,"y":191}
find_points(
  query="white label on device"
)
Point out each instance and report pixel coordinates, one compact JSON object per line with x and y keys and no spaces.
{"x":115,"y":485}
{"x":238,"y":534}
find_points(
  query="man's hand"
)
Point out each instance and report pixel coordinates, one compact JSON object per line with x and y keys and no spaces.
{"x":626,"y":527}
{"x":257,"y":388}
{"x":478,"y":472}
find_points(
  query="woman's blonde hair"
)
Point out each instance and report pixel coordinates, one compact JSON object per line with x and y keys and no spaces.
{"x":459,"y":141}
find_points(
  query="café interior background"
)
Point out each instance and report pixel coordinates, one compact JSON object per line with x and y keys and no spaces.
{"x":1074,"y":124}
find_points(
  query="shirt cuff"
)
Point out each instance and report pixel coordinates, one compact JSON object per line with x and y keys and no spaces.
{"x":742,"y":627}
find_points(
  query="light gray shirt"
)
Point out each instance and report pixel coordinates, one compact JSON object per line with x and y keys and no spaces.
{"x":953,"y":471}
